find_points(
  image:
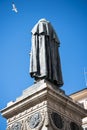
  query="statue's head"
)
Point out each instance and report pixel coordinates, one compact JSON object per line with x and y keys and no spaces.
{"x":43,"y":20}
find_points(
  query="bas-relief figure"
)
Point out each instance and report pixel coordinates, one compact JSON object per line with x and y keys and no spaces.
{"x":44,"y":56}
{"x":34,"y":120}
{"x":16,"y":126}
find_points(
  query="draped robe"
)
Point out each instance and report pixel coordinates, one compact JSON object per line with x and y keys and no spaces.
{"x":44,"y":57}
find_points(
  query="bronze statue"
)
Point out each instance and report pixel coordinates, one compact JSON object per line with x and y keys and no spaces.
{"x":44,"y":57}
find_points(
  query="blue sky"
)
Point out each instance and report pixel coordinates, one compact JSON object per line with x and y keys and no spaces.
{"x":69,"y":19}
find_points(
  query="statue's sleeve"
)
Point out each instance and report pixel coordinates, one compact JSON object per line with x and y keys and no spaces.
{"x":33,"y":56}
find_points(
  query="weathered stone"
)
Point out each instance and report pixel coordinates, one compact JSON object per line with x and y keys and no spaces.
{"x":40,"y":106}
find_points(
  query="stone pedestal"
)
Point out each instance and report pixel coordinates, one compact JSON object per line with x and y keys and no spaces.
{"x":43,"y":107}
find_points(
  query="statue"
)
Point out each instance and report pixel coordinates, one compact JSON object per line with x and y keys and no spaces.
{"x":44,"y":56}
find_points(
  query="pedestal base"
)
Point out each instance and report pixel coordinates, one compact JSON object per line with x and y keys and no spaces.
{"x":43,"y":106}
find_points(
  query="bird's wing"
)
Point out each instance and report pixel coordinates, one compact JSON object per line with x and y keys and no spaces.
{"x":16,"y":10}
{"x":13,"y":5}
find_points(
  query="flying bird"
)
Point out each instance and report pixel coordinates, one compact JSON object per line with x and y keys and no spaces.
{"x":14,"y":8}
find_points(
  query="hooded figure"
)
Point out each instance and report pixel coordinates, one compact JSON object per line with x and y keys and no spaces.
{"x":44,"y":57}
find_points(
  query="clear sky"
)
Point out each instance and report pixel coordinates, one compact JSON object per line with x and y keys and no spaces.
{"x":69,"y":19}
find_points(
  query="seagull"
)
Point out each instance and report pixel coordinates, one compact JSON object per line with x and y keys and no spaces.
{"x":14,"y":8}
